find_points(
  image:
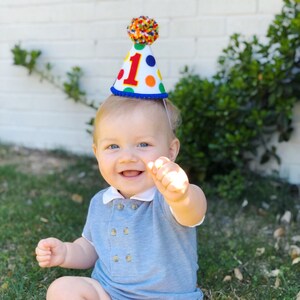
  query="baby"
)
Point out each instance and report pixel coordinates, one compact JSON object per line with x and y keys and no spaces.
{"x":140,"y":235}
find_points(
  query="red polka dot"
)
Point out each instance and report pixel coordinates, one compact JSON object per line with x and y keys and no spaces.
{"x":121,"y":74}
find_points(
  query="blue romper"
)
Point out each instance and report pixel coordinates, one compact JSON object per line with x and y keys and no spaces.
{"x":144,"y":253}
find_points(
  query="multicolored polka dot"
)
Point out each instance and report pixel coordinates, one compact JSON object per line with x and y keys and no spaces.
{"x":159,"y":74}
{"x":162,"y":88}
{"x":127,"y":56}
{"x":121,"y":74}
{"x":150,"y":80}
{"x":150,"y":60}
{"x":139,"y":46}
{"x":129,"y":90}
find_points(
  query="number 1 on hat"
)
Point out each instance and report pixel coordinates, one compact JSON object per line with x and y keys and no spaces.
{"x":135,"y":62}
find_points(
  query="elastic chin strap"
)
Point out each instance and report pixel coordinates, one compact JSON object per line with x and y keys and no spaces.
{"x":168,"y":115}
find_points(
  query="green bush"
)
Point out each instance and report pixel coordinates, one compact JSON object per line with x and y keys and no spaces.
{"x":251,"y":97}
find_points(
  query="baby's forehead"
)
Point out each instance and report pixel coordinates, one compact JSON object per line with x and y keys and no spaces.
{"x":144,"y":107}
{"x":152,"y":112}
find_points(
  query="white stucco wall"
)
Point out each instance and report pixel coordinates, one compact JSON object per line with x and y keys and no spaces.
{"x":92,"y":34}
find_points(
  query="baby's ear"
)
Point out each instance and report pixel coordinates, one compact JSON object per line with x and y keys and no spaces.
{"x":174,"y":149}
{"x":94,"y":147}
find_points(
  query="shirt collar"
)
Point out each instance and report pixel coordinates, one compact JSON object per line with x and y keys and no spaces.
{"x":112,"y":193}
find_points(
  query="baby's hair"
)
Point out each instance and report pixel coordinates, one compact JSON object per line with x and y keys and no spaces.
{"x":117,"y":104}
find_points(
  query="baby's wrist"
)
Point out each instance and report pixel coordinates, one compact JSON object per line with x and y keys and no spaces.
{"x":64,"y":254}
{"x":178,"y":197}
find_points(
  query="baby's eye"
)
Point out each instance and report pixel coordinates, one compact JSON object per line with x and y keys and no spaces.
{"x":113,"y":146}
{"x":143,"y":144}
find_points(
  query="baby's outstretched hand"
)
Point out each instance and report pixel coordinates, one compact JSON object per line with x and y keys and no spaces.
{"x":50,"y":252}
{"x":169,"y":178}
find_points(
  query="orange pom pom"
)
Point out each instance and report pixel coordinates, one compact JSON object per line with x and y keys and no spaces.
{"x":143,"y":30}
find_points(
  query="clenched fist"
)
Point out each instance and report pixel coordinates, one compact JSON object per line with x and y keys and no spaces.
{"x":169,"y":178}
{"x":50,"y":252}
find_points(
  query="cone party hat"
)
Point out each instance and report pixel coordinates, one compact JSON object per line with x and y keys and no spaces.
{"x":139,"y":76}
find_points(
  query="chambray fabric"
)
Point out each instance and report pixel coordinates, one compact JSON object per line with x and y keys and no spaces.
{"x":144,"y":253}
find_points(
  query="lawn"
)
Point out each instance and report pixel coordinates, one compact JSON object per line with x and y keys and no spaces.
{"x":248,"y":249}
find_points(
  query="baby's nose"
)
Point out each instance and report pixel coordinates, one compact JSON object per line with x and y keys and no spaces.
{"x":128,"y":155}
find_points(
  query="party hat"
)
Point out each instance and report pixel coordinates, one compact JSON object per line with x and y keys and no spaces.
{"x":139,"y":76}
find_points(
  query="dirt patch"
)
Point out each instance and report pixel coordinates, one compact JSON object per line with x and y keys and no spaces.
{"x":33,"y":161}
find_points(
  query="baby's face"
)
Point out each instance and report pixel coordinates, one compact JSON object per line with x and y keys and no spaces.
{"x":126,"y":143}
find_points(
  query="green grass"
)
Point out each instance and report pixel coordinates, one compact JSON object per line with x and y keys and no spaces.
{"x":34,"y":205}
{"x":232,"y":236}
{"x":37,"y":206}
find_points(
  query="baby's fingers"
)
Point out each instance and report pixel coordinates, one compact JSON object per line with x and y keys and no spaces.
{"x":44,"y":262}
{"x":176,"y":181}
{"x":167,"y":177}
{"x":43,"y":258}
{"x":42,"y":252}
{"x":157,"y":164}
{"x":178,"y":185}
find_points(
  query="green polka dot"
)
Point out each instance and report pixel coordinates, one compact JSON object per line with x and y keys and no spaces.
{"x":129,"y":90}
{"x":139,"y":46}
{"x":162,"y":88}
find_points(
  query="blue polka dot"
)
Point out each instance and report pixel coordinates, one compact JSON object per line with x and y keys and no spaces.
{"x":150,"y":60}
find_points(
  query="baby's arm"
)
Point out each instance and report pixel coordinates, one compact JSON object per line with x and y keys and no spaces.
{"x":52,"y":252}
{"x":187,"y":200}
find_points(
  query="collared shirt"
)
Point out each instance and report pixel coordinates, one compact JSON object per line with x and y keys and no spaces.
{"x":143,"y":252}
{"x":112,"y":193}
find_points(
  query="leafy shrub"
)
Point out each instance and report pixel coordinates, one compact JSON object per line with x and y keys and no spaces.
{"x":226,"y":118}
{"x":231,"y":186}
{"x":251,"y":97}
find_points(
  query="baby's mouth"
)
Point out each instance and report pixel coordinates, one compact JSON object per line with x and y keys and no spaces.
{"x":131,"y":173}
